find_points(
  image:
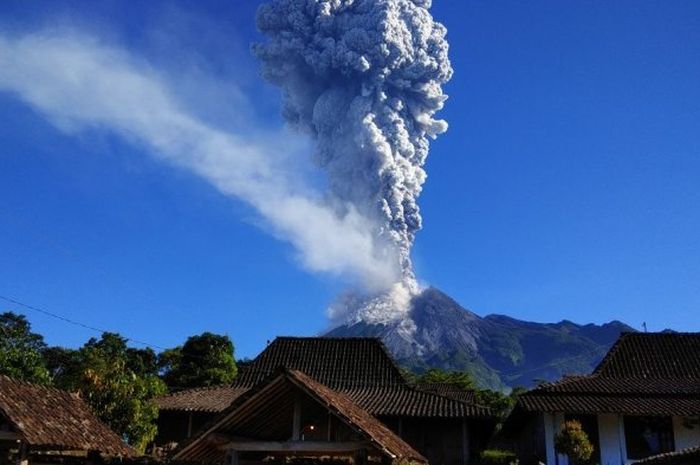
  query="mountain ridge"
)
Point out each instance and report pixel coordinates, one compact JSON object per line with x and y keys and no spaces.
{"x":498,"y":350}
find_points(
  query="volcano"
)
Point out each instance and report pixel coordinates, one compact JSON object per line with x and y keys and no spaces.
{"x":499,"y":351}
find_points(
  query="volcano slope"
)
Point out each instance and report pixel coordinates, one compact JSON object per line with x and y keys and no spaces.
{"x":498,"y":351}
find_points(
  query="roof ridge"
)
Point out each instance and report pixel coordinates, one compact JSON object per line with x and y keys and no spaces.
{"x":451,"y":399}
{"x":560,"y":382}
{"x":200,"y":388}
{"x":329,"y":338}
{"x":615,"y":347}
{"x":30,"y":384}
{"x":660,"y":333}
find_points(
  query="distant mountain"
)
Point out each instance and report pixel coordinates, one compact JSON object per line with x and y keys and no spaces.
{"x":498,"y":350}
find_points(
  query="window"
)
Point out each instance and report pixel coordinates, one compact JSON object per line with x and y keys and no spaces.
{"x":647,"y":436}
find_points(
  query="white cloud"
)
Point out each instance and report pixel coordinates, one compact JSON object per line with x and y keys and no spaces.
{"x":78,"y":82}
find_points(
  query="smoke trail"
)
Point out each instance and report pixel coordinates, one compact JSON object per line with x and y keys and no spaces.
{"x":363,"y":78}
{"x":80,"y":84}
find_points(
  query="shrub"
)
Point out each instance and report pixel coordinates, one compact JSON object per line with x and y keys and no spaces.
{"x":498,"y":457}
{"x":573,"y":442}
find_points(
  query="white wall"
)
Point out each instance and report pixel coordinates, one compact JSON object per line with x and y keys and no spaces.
{"x":612,"y":440}
{"x":685,"y":437}
{"x":549,"y":433}
{"x":558,"y":425}
{"x":553,"y":423}
{"x":613,"y":450}
{"x":612,"y":445}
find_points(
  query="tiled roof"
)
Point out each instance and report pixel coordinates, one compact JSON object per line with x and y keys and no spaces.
{"x":51,"y":418}
{"x":644,"y":373}
{"x":449,"y":390}
{"x":683,"y":457}
{"x":598,"y":384}
{"x":627,"y":404}
{"x":410,"y":402}
{"x":653,"y":355}
{"x":386,"y":401}
{"x":361,"y":368}
{"x":357,"y":416}
{"x":207,"y":399}
{"x":339,"y":363}
{"x":275,"y":391}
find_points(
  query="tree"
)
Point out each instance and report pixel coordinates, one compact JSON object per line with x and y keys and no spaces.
{"x":204,"y":360}
{"x":20,"y":350}
{"x":64,"y":365}
{"x":500,"y":403}
{"x":118,"y":382}
{"x":459,"y":379}
{"x":573,"y":442}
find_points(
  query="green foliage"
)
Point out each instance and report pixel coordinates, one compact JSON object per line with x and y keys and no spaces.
{"x":573,"y":442}
{"x":204,"y":360}
{"x":118,"y":382}
{"x":499,"y":403}
{"x":459,"y":379}
{"x":64,"y":366}
{"x":497,"y":457}
{"x":408,"y":375}
{"x":21,"y":350}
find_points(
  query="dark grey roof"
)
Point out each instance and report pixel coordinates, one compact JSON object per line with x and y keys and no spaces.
{"x":644,"y":373}
{"x":360,"y":368}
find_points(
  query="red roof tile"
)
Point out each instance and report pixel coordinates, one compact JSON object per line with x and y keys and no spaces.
{"x":207,"y":399}
{"x":51,"y":418}
{"x":360,"y":418}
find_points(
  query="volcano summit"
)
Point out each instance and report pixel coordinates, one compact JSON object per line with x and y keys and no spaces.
{"x":497,"y":350}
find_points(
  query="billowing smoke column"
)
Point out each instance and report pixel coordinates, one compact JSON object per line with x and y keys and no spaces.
{"x":363,"y":78}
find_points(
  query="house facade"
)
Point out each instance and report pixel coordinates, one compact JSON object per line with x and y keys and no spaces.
{"x":290,"y":414}
{"x":440,"y":428}
{"x":642,"y":400}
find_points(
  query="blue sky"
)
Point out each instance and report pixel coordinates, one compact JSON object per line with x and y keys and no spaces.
{"x":565,"y":188}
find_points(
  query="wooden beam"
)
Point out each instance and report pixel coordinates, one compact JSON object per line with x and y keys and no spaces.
{"x":360,"y":457}
{"x":22,"y":454}
{"x":329,"y":431}
{"x":9,"y":436}
{"x":295,"y":446}
{"x":218,"y":439}
{"x":232,"y":457}
{"x":296,"y":422}
{"x":465,"y":442}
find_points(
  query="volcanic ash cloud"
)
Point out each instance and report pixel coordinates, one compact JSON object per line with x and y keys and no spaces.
{"x":363,"y":78}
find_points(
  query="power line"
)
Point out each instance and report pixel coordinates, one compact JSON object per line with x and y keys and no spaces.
{"x":76,"y":323}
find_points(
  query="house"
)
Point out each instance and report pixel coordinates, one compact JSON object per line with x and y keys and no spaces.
{"x":291,"y":414}
{"x":428,"y":426}
{"x":40,"y":424}
{"x":642,"y":400}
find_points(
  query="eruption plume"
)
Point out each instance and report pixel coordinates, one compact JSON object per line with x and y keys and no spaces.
{"x":363,"y":78}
